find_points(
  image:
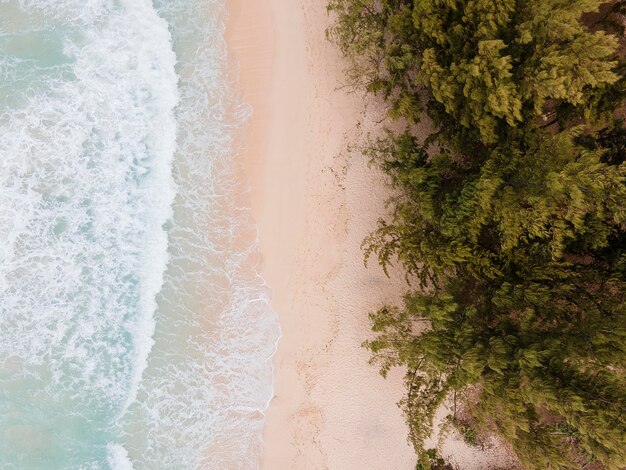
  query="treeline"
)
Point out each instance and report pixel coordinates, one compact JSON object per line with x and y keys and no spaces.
{"x":510,"y":217}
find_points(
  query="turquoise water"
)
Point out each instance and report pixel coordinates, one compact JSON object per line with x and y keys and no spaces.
{"x":135,"y":331}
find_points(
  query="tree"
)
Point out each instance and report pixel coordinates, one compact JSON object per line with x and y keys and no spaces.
{"x":544,"y":346}
{"x":487,"y":64}
{"x":546,"y":196}
{"x":510,"y":215}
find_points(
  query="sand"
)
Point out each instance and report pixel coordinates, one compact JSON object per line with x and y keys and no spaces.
{"x":314,"y":201}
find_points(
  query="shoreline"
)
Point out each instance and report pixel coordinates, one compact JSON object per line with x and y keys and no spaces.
{"x":313,"y":203}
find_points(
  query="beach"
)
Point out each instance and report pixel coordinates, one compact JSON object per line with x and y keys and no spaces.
{"x":314,"y":200}
{"x":313,"y":203}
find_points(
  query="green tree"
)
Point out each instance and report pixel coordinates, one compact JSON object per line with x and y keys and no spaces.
{"x":547,"y":197}
{"x":487,"y":64}
{"x":542,"y":345}
{"x":510,"y":215}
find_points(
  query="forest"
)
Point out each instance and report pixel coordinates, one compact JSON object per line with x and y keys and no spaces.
{"x":509,"y":219}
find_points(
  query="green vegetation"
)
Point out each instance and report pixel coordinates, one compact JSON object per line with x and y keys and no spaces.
{"x":510,"y":216}
{"x":431,"y":460}
{"x":469,"y":433}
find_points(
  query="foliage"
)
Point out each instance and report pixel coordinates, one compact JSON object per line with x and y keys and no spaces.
{"x":487,"y":64}
{"x":431,"y":460}
{"x":510,"y":216}
{"x":540,"y":196}
{"x":544,"y":341}
{"x":379,"y":36}
{"x":470,"y":436}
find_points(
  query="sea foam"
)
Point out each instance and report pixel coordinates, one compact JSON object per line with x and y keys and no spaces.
{"x":209,"y":378}
{"x":135,"y":331}
{"x":85,"y":188}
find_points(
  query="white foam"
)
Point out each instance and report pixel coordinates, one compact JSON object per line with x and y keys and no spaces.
{"x":85,"y":189}
{"x":210,"y":376}
{"x":86,"y":12}
{"x":117,"y":457}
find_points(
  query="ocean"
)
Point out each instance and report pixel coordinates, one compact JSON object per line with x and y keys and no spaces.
{"x":135,"y":330}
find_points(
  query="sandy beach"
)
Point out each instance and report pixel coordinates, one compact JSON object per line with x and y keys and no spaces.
{"x":314,"y":201}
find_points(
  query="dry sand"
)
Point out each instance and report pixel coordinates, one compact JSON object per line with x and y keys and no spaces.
{"x":314,"y":202}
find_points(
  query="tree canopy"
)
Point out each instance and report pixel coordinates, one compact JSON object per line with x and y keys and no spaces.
{"x":510,"y":216}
